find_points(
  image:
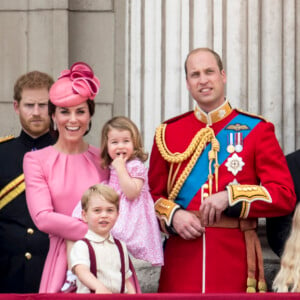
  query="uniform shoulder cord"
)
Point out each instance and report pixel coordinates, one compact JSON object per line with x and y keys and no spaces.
{"x":193,"y":151}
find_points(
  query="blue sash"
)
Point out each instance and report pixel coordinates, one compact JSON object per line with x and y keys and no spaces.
{"x":199,"y":173}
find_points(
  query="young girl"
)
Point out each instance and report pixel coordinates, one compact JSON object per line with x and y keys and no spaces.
{"x":288,"y":277}
{"x":123,"y":154}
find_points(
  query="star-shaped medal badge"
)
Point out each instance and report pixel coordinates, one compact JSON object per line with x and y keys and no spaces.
{"x":234,"y":164}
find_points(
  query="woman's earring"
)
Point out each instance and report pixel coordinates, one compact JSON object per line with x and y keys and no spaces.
{"x":54,"y":126}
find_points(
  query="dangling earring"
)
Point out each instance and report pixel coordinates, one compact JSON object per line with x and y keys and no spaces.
{"x":54,"y":126}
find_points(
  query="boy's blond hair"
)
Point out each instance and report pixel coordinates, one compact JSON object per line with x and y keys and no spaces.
{"x":108,"y":193}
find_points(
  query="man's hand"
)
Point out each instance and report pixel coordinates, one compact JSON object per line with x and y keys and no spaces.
{"x":212,"y":207}
{"x":187,"y":225}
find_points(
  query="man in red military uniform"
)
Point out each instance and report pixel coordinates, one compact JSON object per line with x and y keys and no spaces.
{"x":213,"y":172}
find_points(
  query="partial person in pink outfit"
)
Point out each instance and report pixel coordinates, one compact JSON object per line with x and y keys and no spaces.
{"x":57,"y":176}
{"x":123,"y":154}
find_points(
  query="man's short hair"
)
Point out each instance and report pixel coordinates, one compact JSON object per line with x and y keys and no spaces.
{"x":32,"y":80}
{"x":215,"y":54}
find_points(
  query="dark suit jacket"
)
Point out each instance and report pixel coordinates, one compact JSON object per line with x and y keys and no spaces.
{"x":23,"y":248}
{"x":278,"y":229}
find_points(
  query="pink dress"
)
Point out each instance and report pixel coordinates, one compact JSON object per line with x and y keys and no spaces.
{"x":55,"y":183}
{"x":137,"y":225}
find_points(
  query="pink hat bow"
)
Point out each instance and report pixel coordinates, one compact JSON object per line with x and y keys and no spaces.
{"x":75,"y":86}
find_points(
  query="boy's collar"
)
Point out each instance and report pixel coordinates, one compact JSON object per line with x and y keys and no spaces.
{"x":97,"y":238}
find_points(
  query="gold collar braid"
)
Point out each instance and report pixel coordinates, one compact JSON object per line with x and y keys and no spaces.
{"x":194,"y":150}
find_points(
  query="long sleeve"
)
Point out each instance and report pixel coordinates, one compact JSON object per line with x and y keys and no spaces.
{"x":42,"y":207}
{"x":271,"y":172}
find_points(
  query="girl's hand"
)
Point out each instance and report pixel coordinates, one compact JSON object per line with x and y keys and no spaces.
{"x":119,"y":161}
{"x":131,"y":187}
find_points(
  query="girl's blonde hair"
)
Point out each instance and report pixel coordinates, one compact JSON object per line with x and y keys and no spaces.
{"x":108,"y":193}
{"x":288,"y":277}
{"x":122,"y":123}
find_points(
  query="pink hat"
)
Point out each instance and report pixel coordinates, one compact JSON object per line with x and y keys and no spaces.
{"x":74,"y":86}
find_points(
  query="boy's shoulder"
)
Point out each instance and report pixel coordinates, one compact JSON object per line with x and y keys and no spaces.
{"x":122,"y":244}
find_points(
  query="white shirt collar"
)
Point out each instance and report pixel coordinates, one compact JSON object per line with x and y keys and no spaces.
{"x":94,"y":237}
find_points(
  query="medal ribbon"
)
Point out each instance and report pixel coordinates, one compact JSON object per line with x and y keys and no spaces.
{"x":198,"y":175}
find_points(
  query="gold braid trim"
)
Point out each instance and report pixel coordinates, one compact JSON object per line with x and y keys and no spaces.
{"x":12,"y":190}
{"x":172,"y":174}
{"x":165,"y":210}
{"x":6,"y":138}
{"x":194,"y":150}
{"x":248,"y":193}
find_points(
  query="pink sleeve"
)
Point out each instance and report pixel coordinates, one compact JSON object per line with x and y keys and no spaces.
{"x":40,"y":205}
{"x":137,"y":169}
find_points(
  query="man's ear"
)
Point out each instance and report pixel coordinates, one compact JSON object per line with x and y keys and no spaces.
{"x":224,"y":76}
{"x":188,"y":87}
{"x":16,"y":106}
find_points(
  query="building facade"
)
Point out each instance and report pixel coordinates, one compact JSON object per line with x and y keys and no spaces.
{"x":138,"y":49}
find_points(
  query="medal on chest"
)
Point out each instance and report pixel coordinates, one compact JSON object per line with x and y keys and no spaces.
{"x":238,"y":142}
{"x":230,"y":147}
{"x":234,"y":164}
{"x":235,"y":138}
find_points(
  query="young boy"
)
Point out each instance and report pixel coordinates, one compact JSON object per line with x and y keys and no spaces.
{"x":100,"y":209}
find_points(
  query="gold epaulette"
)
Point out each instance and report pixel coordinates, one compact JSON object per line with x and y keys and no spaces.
{"x":6,"y":138}
{"x":251,"y":114}
{"x":246,"y":194}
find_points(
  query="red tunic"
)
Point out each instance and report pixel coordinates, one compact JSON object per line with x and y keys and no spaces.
{"x":217,"y":261}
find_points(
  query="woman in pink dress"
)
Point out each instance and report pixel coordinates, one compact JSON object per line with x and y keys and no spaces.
{"x":57,"y":176}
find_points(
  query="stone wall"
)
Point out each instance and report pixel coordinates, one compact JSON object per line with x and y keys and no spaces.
{"x":50,"y":35}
